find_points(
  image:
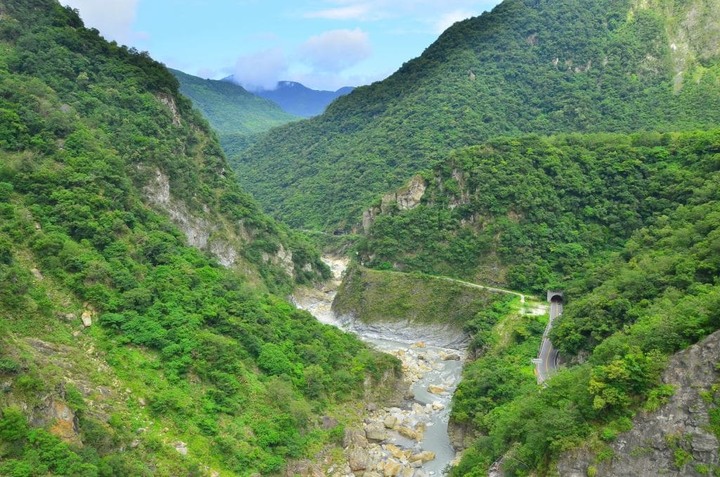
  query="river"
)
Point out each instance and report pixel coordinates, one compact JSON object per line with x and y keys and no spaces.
{"x":410,"y":440}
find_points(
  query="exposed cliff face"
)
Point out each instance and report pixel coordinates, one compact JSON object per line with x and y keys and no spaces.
{"x":212,"y":233}
{"x":197,"y":230}
{"x":405,"y":198}
{"x":693,"y":32}
{"x":675,"y":440}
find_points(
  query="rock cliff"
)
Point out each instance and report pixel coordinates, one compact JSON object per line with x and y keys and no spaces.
{"x":675,"y":440}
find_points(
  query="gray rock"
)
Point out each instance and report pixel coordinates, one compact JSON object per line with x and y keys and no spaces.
{"x":390,"y":422}
{"x":181,"y":447}
{"x":375,"y":432}
{"x":355,"y":438}
{"x":358,"y":459}
{"x":650,"y":447}
{"x":329,"y":422}
{"x":86,"y":318}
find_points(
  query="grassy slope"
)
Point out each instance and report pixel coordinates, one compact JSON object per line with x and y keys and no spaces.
{"x":528,"y":66}
{"x":376,"y":296}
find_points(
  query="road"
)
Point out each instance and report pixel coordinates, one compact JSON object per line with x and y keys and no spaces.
{"x":546,"y":363}
{"x":474,"y":285}
{"x":483,"y":287}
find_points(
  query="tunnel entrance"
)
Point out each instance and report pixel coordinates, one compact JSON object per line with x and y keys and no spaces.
{"x":555,"y":297}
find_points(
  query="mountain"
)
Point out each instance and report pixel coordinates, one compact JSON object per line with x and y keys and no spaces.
{"x":628,"y":226}
{"x":299,"y":100}
{"x":142,"y":329}
{"x":528,"y":66}
{"x":528,"y":212}
{"x":234,"y":113}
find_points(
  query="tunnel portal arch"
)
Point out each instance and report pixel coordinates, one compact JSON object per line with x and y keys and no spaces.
{"x":554,"y":296}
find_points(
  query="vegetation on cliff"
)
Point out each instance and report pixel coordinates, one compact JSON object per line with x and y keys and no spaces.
{"x":383,"y":296}
{"x":628,"y":309}
{"x":529,"y":212}
{"x":124,"y":351}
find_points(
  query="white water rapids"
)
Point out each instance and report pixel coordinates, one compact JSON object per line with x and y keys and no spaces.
{"x":432,"y":360}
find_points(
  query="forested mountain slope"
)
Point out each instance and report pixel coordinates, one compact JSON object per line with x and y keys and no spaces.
{"x":124,"y":350}
{"x":529,"y":212}
{"x":528,"y":66}
{"x":233,"y":112}
{"x":629,"y":227}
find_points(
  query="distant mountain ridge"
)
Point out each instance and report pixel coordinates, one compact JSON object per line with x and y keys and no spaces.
{"x":236,"y":114}
{"x":229,"y":107}
{"x":299,"y":100}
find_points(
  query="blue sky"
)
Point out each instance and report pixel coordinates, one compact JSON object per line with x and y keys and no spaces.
{"x":324,"y":44}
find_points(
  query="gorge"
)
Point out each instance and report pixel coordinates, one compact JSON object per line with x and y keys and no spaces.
{"x":156,"y":319}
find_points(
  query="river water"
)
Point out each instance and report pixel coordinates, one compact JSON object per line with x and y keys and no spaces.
{"x":432,"y":360}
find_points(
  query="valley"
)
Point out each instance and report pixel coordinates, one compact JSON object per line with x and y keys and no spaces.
{"x":415,"y":428}
{"x":196,"y":282}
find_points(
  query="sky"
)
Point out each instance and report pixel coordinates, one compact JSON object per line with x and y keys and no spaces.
{"x":324,"y":44}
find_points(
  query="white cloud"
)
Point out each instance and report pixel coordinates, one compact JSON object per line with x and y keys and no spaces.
{"x":448,"y":19}
{"x":113,"y":18}
{"x":261,"y":70}
{"x":352,"y":12}
{"x":428,"y":12}
{"x":336,"y":50}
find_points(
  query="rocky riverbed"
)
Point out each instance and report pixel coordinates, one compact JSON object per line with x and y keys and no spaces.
{"x":410,"y":440}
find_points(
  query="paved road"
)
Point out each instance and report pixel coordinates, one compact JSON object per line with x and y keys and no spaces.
{"x":546,"y":363}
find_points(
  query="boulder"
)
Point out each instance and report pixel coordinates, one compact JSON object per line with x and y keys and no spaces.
{"x":409,"y":433}
{"x":358,"y":459}
{"x":395,"y":451}
{"x":181,"y":447}
{"x":375,"y":432}
{"x":392,"y":469}
{"x":424,"y":456}
{"x":86,"y":318}
{"x":355,"y":438}
{"x":390,"y":422}
{"x":436,"y":389}
{"x":329,"y":422}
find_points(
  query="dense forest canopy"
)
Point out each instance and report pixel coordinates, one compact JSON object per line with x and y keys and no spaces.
{"x":165,"y":362}
{"x":528,"y":212}
{"x":107,"y":315}
{"x":527,"y":66}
